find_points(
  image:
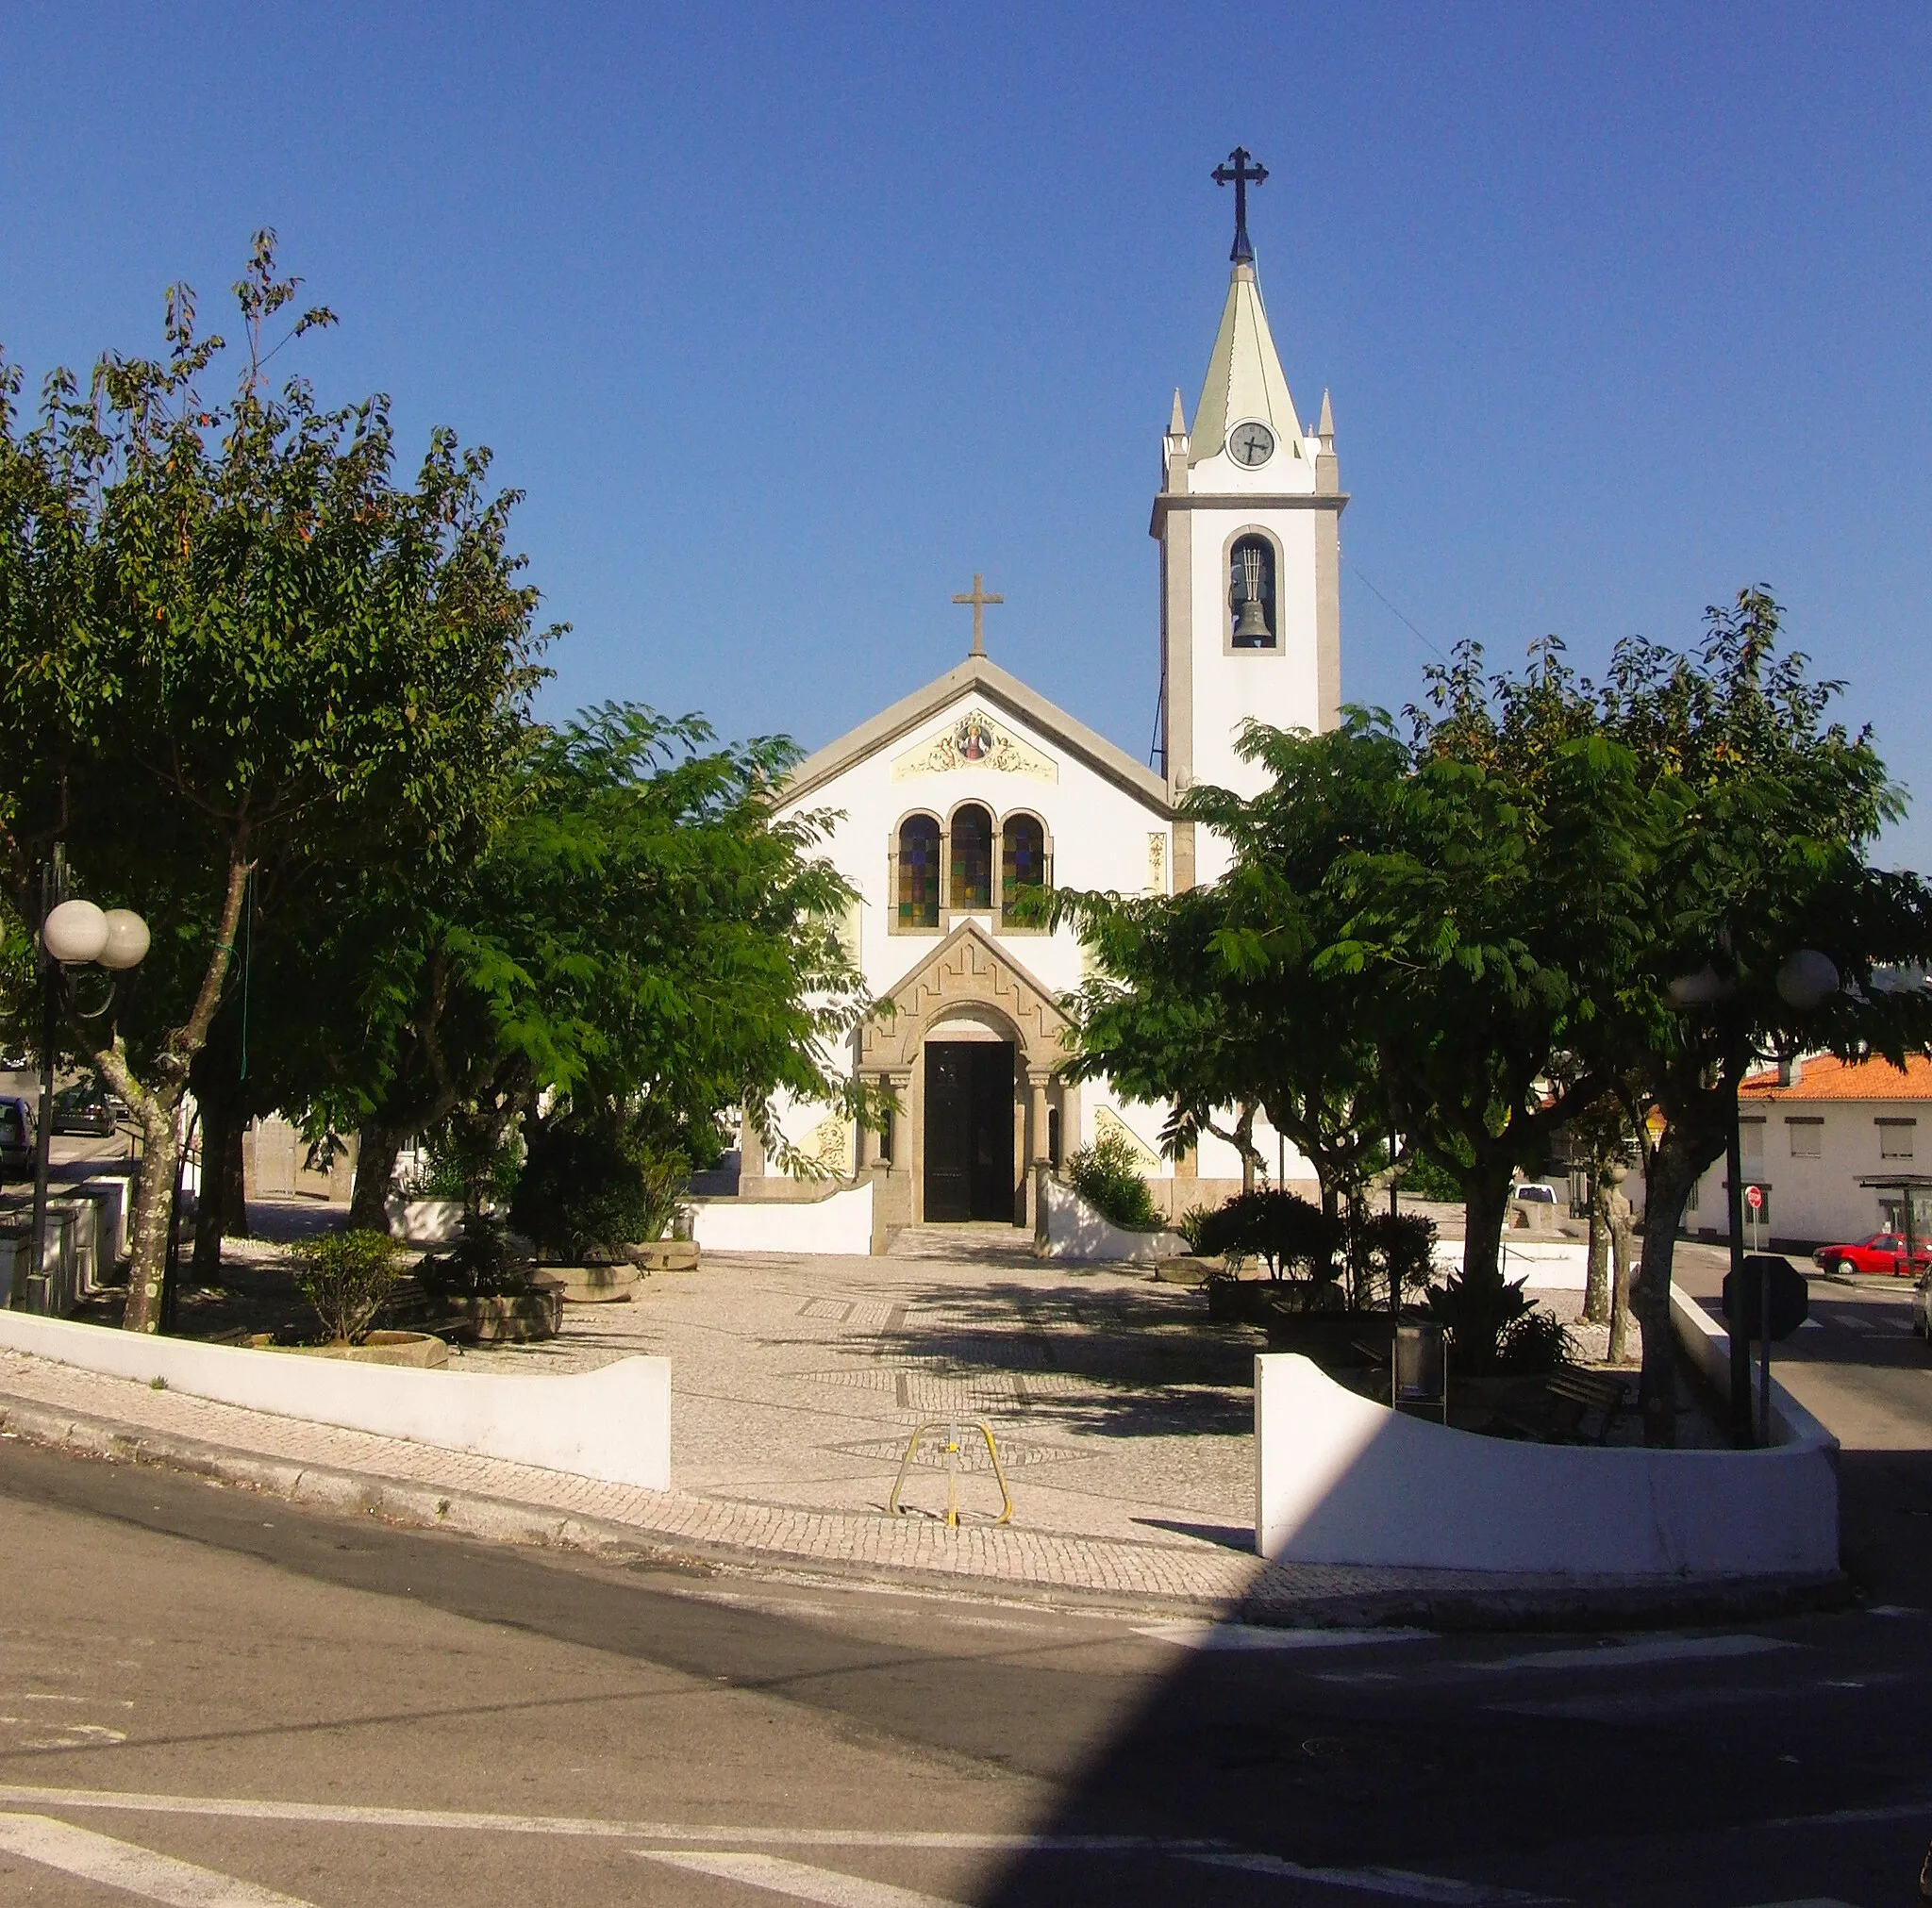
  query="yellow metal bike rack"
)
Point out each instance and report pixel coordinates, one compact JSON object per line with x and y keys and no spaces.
{"x":951,"y":1427}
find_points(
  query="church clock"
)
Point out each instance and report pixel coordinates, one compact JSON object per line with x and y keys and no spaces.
{"x":1251,"y":445}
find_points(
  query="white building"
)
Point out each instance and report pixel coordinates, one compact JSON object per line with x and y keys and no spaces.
{"x":971,"y":790}
{"x":1819,"y":1141}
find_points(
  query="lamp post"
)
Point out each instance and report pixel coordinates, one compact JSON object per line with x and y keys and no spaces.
{"x":1805,"y":982}
{"x":73,"y":934}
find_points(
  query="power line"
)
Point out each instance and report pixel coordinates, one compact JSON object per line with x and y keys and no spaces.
{"x":1390,"y":607}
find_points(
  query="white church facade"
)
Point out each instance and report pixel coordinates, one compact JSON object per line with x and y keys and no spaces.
{"x":954,"y":804}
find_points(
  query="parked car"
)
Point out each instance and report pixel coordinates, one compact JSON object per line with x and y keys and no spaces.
{"x":16,"y":1138}
{"x":1535,"y":1192}
{"x":1883,"y":1252}
{"x":84,"y":1108}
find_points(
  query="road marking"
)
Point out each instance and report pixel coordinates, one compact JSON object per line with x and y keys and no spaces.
{"x":1403,"y":1884}
{"x":1641,"y":1649}
{"x":1262,"y":1637}
{"x":350,"y":1816}
{"x":1634,"y":1653}
{"x":133,"y":1870}
{"x":794,"y":1879}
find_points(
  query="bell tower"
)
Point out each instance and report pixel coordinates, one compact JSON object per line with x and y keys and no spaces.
{"x":1247,"y":519}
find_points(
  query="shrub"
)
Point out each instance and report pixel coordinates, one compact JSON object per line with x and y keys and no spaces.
{"x":1492,"y":1326}
{"x":346,"y":1277}
{"x":585,"y":1193}
{"x":1422,"y":1177}
{"x":1385,"y":1246}
{"x":1292,"y":1235}
{"x":1189,"y":1226}
{"x":487,"y":1260}
{"x":1108,"y":1176}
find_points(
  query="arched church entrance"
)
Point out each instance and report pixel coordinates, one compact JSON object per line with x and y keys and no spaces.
{"x":970,"y":1050}
{"x":971,"y":1170}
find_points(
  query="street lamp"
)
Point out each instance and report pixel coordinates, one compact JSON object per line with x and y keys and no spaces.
{"x":1805,"y":982}
{"x":74,"y":934}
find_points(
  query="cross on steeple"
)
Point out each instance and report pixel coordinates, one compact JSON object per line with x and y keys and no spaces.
{"x":978,"y":599}
{"x":1240,"y":174}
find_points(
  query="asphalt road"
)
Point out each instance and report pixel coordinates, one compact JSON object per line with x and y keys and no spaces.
{"x":1859,"y":1368}
{"x":211,"y":1698}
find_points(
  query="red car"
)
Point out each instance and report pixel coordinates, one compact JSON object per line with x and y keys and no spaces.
{"x":1881,"y":1253}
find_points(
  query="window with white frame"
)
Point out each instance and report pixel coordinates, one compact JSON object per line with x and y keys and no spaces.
{"x":1808,"y":1137}
{"x":1895,"y":1139}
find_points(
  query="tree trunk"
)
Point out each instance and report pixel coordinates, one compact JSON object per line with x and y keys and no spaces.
{"x":1620,"y":1284}
{"x":376,"y":1147}
{"x":1596,"y":1288}
{"x":211,"y":1203}
{"x":1668,"y":1178}
{"x":154,"y":1203}
{"x":1485,"y":1208}
{"x":222,"y":1210}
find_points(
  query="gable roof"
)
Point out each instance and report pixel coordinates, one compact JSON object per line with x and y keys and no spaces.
{"x":1003,"y":689}
{"x":1828,"y":1079}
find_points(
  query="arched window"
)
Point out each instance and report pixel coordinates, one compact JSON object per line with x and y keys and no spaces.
{"x":1251,"y":592}
{"x":972,"y":860}
{"x":1022,"y":866}
{"x":919,"y":871}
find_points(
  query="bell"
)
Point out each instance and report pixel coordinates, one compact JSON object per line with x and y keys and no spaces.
{"x":1251,"y":625}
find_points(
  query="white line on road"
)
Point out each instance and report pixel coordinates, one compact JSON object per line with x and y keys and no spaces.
{"x":133,"y":1870}
{"x":1644,"y":1650}
{"x":1262,"y":1637}
{"x":350,"y":1816}
{"x":1403,"y":1884}
{"x":794,"y":1879}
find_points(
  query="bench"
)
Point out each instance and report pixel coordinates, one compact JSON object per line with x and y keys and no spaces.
{"x":1576,"y":1397}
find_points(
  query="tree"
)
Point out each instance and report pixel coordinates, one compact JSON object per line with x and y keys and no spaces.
{"x":234,"y":645}
{"x":646,"y":944}
{"x":1770,"y":810}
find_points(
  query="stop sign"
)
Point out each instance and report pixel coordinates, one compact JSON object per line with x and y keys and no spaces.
{"x":1791,"y":1298}
{"x":1754,"y":1197}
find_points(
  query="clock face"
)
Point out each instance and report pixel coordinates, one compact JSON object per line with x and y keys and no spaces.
{"x":1251,"y":445}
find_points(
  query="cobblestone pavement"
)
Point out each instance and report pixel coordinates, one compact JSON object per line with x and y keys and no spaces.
{"x":1123,"y":1418}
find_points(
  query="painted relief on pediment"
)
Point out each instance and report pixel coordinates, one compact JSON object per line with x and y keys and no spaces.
{"x":975,"y":741}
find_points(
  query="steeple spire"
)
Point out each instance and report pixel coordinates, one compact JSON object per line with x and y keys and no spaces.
{"x":1240,"y":174}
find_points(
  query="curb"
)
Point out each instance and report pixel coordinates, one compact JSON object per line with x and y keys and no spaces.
{"x":1497,"y":1605}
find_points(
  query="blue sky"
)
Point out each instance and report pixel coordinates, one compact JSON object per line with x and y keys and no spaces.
{"x":789,"y":320}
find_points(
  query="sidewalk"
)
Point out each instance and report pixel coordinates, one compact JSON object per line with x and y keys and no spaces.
{"x":1125,"y":1422}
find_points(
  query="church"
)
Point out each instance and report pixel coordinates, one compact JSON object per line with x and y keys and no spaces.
{"x":971,"y":793}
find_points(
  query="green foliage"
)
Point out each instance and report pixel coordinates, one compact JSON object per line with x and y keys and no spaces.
{"x":1108,"y":1176}
{"x":1191,"y":1225}
{"x":645,"y":940}
{"x":1420,"y":1176}
{"x":588,"y":1190}
{"x":254,"y":671}
{"x":347,"y":1277}
{"x":487,"y":1260}
{"x":1294,"y":1237}
{"x":1493,"y":1326}
{"x":1384,"y":1248}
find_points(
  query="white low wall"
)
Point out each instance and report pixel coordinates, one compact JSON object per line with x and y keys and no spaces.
{"x":1543,"y":1261}
{"x":1709,"y":1347}
{"x":1340,"y":1479}
{"x":613,"y":1423}
{"x":425,"y":1221}
{"x":1072,"y":1229}
{"x":839,"y":1223}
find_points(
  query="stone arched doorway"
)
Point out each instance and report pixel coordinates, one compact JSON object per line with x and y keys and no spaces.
{"x":971,"y":1037}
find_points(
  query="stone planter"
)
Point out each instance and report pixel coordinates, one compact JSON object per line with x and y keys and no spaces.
{"x":422,"y":1350}
{"x":508,"y":1318}
{"x":1187,"y":1270}
{"x":595,"y":1284}
{"x":664,"y":1256}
